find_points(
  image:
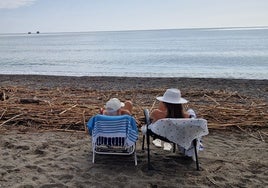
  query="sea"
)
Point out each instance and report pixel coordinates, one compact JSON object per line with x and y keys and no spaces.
{"x":238,"y":53}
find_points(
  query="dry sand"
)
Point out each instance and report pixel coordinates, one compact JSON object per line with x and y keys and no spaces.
{"x":43,"y":158}
{"x":60,"y":159}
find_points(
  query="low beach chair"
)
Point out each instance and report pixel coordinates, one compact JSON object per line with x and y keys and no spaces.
{"x":113,"y":135}
{"x":183,"y":132}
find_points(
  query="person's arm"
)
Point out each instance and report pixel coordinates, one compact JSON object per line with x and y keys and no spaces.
{"x":124,"y":112}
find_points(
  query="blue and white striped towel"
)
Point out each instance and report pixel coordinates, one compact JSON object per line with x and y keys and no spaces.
{"x":113,"y":126}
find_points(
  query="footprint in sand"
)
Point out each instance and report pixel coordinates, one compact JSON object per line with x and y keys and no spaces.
{"x":8,"y":145}
{"x":39,"y":152}
{"x":64,"y":177}
{"x":23,"y":147}
{"x":51,"y":185}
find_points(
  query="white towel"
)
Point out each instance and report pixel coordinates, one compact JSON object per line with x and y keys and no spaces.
{"x":180,"y":131}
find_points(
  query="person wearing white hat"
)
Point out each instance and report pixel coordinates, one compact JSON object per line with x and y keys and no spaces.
{"x":171,"y":106}
{"x":115,"y":107}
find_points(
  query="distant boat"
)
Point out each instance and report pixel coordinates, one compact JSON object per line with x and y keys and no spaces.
{"x":37,"y":32}
{"x":29,"y":32}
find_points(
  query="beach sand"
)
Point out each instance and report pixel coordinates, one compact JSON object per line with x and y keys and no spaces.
{"x":40,"y":156}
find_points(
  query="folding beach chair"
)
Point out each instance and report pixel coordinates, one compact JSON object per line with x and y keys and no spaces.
{"x":184,"y":132}
{"x":113,"y":135}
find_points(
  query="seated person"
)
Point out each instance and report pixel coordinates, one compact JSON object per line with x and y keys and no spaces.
{"x":114,"y":108}
{"x":170,"y":106}
{"x":112,"y":112}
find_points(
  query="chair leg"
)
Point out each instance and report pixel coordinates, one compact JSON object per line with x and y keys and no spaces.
{"x":196,"y":156}
{"x":93,"y":157}
{"x":148,"y":150}
{"x":135,"y":156}
{"x":136,"y":161}
{"x":147,"y":121}
{"x":143,"y":140}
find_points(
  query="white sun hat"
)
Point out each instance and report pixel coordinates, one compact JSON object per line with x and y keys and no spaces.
{"x":114,"y":104}
{"x":172,"y":96}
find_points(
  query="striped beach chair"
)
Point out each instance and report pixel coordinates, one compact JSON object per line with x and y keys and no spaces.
{"x":113,"y":135}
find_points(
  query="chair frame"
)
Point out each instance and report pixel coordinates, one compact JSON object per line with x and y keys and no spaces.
{"x":150,"y":133}
{"x":96,"y":149}
{"x":112,"y":149}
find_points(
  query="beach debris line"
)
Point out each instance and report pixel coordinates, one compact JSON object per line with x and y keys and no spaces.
{"x":69,"y":109}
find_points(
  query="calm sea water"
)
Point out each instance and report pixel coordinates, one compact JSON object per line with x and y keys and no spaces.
{"x":206,"y":53}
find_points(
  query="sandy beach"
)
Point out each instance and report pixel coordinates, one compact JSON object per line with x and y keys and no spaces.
{"x":44,"y":144}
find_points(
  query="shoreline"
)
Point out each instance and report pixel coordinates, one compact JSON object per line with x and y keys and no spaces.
{"x":252,"y":87}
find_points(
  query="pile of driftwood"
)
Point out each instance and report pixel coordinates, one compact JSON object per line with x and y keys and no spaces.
{"x":69,"y":109}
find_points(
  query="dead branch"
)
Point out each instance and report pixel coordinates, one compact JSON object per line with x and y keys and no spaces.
{"x":211,"y":99}
{"x":247,"y":132}
{"x":10,"y":119}
{"x":67,"y":109}
{"x":3,"y":114}
{"x":29,"y":101}
{"x":261,"y":136}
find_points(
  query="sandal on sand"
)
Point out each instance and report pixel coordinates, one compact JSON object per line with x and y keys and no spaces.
{"x":157,"y":143}
{"x":167,"y":146}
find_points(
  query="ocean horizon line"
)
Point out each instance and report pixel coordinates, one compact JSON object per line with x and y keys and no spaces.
{"x":136,"y":30}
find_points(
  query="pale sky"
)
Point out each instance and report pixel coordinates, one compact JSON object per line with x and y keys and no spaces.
{"x":21,"y":16}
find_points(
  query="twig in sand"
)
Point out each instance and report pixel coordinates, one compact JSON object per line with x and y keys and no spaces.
{"x":4,"y":96}
{"x":48,"y":102}
{"x":68,"y":127}
{"x":264,"y":133}
{"x":232,"y":109}
{"x":247,"y":132}
{"x":211,"y":99}
{"x":10,"y":119}
{"x":64,"y":130}
{"x":67,"y":109}
{"x":3,"y":113}
{"x":212,"y":180}
{"x":261,"y":136}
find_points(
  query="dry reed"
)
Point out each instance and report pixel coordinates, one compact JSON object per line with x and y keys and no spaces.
{"x":69,"y":109}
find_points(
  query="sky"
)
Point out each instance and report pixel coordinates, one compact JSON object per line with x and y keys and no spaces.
{"x":22,"y":16}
